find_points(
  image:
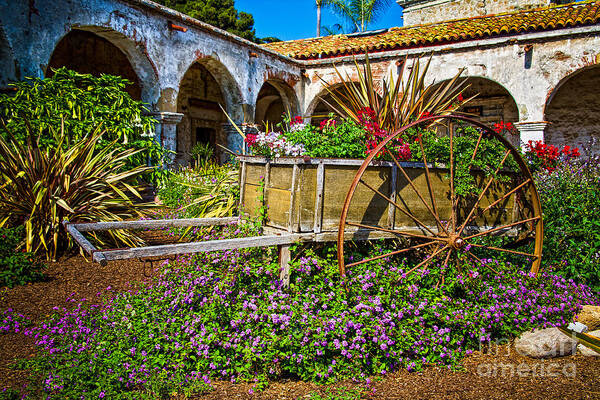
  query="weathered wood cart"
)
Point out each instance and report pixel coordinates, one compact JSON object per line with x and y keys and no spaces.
{"x":308,"y":199}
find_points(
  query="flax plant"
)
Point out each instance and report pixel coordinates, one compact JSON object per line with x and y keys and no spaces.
{"x":41,"y":187}
{"x":398,"y":101}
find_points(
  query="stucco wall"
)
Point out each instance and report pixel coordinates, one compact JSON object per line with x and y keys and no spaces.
{"x":573,"y":112}
{"x":426,"y":12}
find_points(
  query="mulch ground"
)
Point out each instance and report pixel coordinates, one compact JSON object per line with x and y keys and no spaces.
{"x":497,"y":374}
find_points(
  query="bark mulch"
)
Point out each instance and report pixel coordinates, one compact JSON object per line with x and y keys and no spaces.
{"x":497,"y":374}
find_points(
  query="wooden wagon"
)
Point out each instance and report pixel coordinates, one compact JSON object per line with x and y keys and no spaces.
{"x":320,"y":199}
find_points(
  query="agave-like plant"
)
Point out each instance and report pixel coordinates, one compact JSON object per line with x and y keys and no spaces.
{"x":398,"y":101}
{"x":40,"y":188}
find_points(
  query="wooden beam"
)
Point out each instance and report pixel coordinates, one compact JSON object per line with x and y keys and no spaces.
{"x":319,"y":198}
{"x":284,"y":264}
{"x":199,"y":247}
{"x":152,"y":224}
{"x":85,"y":244}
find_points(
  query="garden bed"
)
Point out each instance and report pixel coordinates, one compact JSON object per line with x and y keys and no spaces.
{"x":75,"y":275}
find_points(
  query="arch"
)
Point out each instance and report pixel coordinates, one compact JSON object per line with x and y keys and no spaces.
{"x":493,"y":104}
{"x":572,"y":110}
{"x":7,"y":61}
{"x":274,"y":98}
{"x":96,"y":50}
{"x":205,"y":87}
{"x":318,"y":108}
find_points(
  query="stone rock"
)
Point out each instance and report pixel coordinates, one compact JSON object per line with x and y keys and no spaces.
{"x":590,"y":316}
{"x":545,"y":343}
{"x":586,"y":351}
{"x":577,"y":327}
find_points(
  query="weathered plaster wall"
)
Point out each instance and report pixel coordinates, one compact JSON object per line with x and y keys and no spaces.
{"x":528,"y":70}
{"x":425,"y":12}
{"x":573,"y":112}
{"x":529,"y":67}
{"x":159,"y":56}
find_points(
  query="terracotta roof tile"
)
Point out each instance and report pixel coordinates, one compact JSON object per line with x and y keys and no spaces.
{"x":541,"y":19}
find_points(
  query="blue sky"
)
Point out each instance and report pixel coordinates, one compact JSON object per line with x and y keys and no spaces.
{"x":297,"y":19}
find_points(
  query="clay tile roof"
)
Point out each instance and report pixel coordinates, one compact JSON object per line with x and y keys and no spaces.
{"x":541,"y":19}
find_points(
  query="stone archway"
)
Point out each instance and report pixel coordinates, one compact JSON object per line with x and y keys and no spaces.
{"x":573,"y":111}
{"x":88,"y":53}
{"x":323,"y":104}
{"x":493,"y":103}
{"x":96,"y":50}
{"x":200,"y":99}
{"x":274,"y":99}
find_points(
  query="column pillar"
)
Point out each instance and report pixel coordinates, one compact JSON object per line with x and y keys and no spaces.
{"x":166,"y":132}
{"x":533,"y":131}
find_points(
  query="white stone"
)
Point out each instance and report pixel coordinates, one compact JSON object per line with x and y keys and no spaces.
{"x":545,"y":343}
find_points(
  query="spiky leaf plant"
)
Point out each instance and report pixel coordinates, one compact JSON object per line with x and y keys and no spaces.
{"x":395,"y":102}
{"x":39,"y":188}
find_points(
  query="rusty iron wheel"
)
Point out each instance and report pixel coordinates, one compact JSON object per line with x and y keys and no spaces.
{"x":456,"y":229}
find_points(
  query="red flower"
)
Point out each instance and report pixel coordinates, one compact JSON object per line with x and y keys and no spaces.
{"x":459,"y":97}
{"x":251,"y":139}
{"x":296,"y":120}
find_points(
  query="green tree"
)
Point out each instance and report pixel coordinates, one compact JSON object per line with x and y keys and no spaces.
{"x":219,"y":13}
{"x":359,"y":13}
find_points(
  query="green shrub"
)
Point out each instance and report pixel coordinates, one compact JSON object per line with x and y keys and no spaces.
{"x":82,"y":102}
{"x":206,"y":192}
{"x":43,"y":186}
{"x":17,"y":267}
{"x":570,"y":197}
{"x":345,"y":139}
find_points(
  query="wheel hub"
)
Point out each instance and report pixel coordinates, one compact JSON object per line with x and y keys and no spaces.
{"x":456,"y":242}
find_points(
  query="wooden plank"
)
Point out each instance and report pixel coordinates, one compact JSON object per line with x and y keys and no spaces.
{"x":331,"y":161}
{"x":319,"y":198}
{"x":284,"y":264}
{"x":242,"y":184}
{"x":153,"y":224}
{"x":85,"y":244}
{"x":199,"y":247}
{"x":291,"y":220}
{"x":392,"y":209}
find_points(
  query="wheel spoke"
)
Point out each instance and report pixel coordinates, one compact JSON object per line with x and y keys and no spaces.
{"x":378,"y":228}
{"x":442,"y":271}
{"x":502,"y":198}
{"x":455,"y":204}
{"x":504,"y":250}
{"x":428,"y":260}
{"x":410,"y":182}
{"x":398,"y":207}
{"x":501,"y":227}
{"x":452,"y":194}
{"x":481,"y":263}
{"x":485,"y":189}
{"x":427,"y":176}
{"x":393,"y":253}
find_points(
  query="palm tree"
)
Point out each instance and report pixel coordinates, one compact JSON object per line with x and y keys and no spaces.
{"x":360,"y":13}
{"x":320,"y":4}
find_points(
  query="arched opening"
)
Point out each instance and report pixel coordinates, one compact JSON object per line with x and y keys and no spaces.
{"x":493,"y":103}
{"x":89,"y":53}
{"x":200,"y":100}
{"x":7,"y":62}
{"x":275,"y":99}
{"x":572,"y":111}
{"x":324,"y":104}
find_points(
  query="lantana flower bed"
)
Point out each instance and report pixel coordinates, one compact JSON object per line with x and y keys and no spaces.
{"x":225,"y":315}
